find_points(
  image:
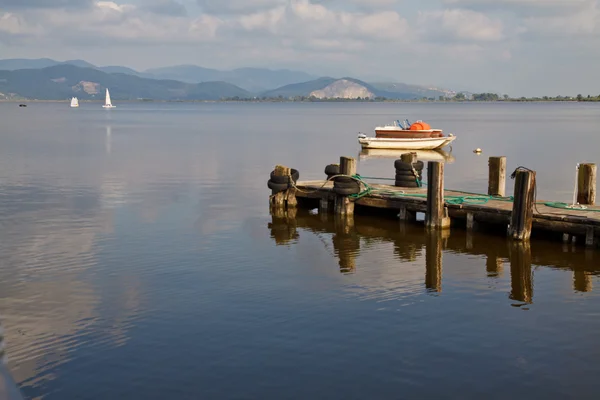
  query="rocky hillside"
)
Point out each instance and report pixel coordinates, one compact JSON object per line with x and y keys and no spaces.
{"x":343,"y":89}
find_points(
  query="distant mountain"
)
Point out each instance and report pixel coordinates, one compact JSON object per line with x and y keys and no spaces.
{"x":119,"y":70}
{"x":327,"y":87}
{"x":300,"y":89}
{"x":22,"y":63}
{"x":270,"y":83}
{"x":410,"y":90}
{"x":63,"y":81}
{"x":251,"y":79}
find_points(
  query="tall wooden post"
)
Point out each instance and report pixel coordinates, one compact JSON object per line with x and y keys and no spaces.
{"x":433,"y":261}
{"x":522,"y":212}
{"x":343,"y":205}
{"x":497,"y":176}
{"x":586,"y":184}
{"x":287,"y":198}
{"x":436,"y":215}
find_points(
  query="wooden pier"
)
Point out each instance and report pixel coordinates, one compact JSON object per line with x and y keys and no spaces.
{"x":518,"y":217}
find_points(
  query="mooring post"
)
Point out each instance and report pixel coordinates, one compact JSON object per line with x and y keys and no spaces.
{"x":437,"y":214}
{"x":287,"y":198}
{"x":586,"y":184}
{"x":343,"y":205}
{"x":497,"y":176}
{"x":409,"y":158}
{"x":521,"y":218}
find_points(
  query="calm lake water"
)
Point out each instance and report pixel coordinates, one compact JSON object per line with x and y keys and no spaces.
{"x":138,"y":259}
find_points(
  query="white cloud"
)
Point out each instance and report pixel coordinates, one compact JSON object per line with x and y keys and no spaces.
{"x":461,"y":24}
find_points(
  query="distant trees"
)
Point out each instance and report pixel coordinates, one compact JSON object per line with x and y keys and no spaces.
{"x":486,"y":97}
{"x":460,"y":96}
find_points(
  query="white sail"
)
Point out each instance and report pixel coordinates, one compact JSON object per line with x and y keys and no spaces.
{"x":107,"y":102}
{"x":74,"y":102}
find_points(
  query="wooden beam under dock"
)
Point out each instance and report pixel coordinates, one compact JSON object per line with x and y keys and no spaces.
{"x":494,"y":212}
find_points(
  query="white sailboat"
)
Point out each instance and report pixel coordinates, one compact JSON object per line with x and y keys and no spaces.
{"x":107,"y":102}
{"x":74,"y":102}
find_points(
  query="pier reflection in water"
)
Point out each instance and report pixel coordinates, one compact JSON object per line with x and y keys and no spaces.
{"x":413,"y":244}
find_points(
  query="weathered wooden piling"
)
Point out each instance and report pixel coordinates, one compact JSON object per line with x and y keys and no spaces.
{"x":287,"y":198}
{"x":522,"y":212}
{"x":343,"y":205}
{"x":409,"y":158}
{"x":436,"y":216}
{"x":497,"y":176}
{"x":586,"y":184}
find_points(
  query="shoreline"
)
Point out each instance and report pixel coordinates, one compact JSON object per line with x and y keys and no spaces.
{"x":302,"y":101}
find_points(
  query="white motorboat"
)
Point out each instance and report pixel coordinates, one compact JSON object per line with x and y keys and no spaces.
{"x":107,"y":102}
{"x":405,"y":143}
{"x":74,"y":102}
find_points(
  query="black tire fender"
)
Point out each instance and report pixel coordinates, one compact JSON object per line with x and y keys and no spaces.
{"x":285,"y":179}
{"x":346,"y":191}
{"x":277,"y":187}
{"x":332,"y":169}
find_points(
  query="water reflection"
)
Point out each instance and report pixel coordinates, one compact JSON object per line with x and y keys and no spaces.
{"x":108,"y":140}
{"x":425,"y":155}
{"x":412,"y":244}
{"x":521,"y":276}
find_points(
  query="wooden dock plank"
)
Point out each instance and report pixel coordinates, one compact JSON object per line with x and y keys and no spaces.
{"x":573,"y":221}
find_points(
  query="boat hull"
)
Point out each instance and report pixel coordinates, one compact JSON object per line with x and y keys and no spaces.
{"x":407,"y":134}
{"x":405,"y":144}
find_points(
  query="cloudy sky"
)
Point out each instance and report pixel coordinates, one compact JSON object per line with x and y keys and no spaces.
{"x":519,"y":47}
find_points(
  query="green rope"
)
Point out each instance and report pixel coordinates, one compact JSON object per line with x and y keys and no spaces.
{"x":468,"y":198}
{"x":374,"y":177}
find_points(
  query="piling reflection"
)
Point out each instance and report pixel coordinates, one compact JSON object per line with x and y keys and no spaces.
{"x":283,"y":226}
{"x":346,"y":244}
{"x":521,"y":277}
{"x":412,"y":244}
{"x":433,"y":261}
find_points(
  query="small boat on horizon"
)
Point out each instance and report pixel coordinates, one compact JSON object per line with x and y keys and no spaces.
{"x":107,"y":102}
{"x":405,"y":129}
{"x":74,"y":102}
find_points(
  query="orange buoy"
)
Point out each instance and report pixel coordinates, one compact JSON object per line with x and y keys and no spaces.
{"x":420,"y":126}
